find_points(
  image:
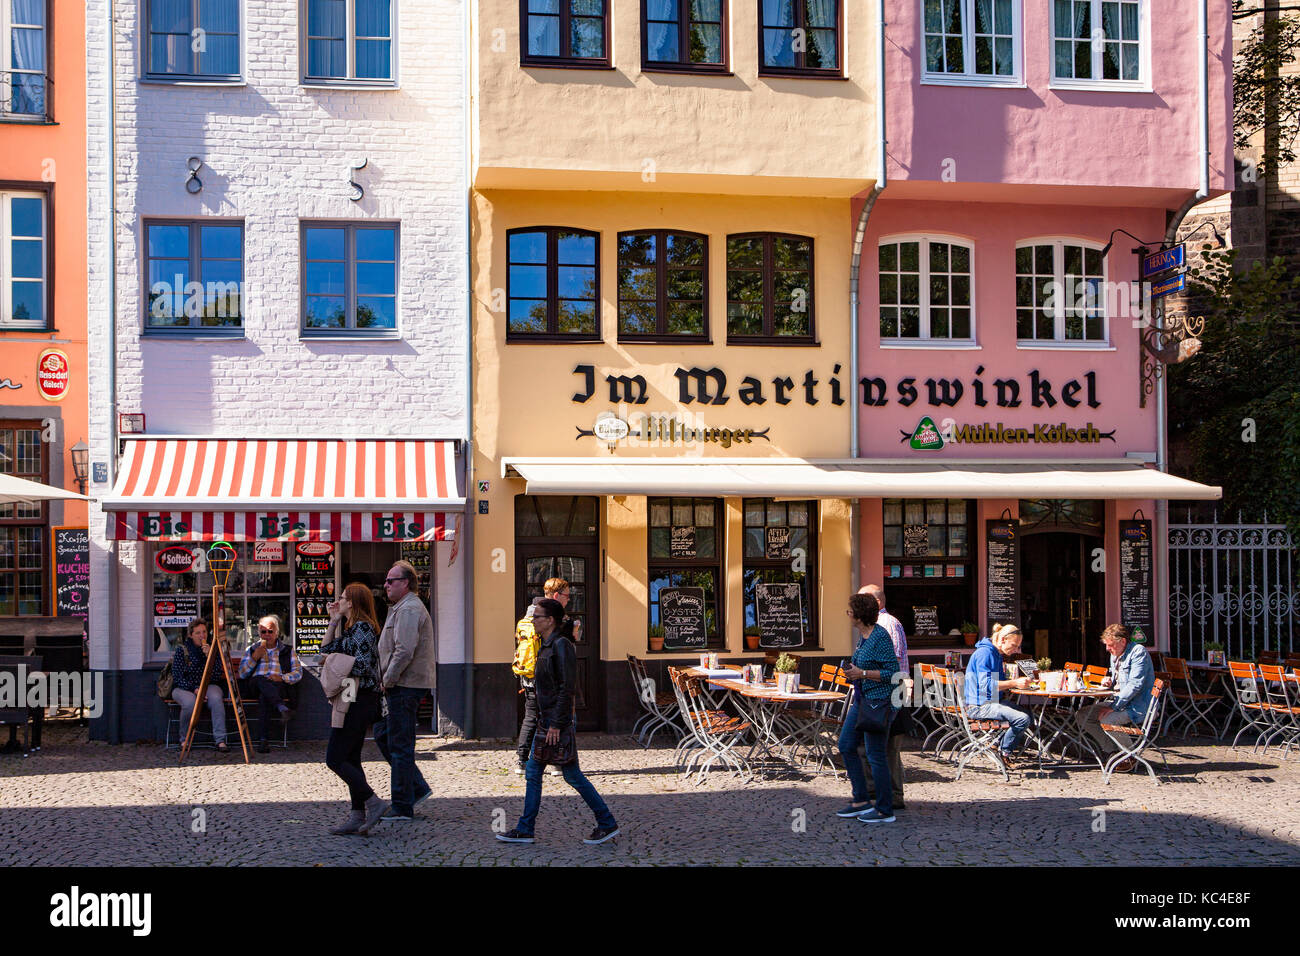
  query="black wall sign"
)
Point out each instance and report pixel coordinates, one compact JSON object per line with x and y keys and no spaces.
{"x":1002,"y":550}
{"x":682,"y":542}
{"x":916,"y":540}
{"x":314,"y":590}
{"x":778,"y":544}
{"x":780,"y":614}
{"x":72,"y":573}
{"x":1136,"y":588}
{"x":925,"y":621}
{"x":681,"y":614}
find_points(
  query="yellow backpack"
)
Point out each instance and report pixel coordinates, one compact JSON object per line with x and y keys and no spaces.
{"x":526,"y":645}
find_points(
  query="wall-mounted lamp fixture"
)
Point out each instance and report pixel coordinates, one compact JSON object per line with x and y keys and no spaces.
{"x":80,"y":464}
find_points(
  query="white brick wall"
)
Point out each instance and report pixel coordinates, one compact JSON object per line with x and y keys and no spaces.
{"x":275,"y":152}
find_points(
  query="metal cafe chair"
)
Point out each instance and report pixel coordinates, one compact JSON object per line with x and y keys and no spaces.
{"x":978,"y":737}
{"x":942,"y":688}
{"x":1246,"y":695}
{"x":1280,"y":695}
{"x":716,"y":731}
{"x":1141,"y":737}
{"x":661,"y":710}
{"x":1187,"y":704}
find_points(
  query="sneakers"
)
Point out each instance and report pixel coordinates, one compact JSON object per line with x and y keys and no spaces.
{"x":601,"y":834}
{"x":554,"y":772}
{"x":351,"y":825}
{"x":519,"y":770}
{"x":421,"y":798}
{"x":375,"y":809}
{"x":514,"y":836}
{"x":874,"y":816}
{"x":851,"y":811}
{"x":396,"y":817}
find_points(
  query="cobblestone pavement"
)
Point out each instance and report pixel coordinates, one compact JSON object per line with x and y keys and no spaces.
{"x":78,"y":802}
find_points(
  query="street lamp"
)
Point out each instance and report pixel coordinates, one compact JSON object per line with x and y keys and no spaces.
{"x":81,"y":464}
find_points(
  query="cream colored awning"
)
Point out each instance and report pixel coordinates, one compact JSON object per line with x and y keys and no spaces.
{"x":20,"y":490}
{"x":850,"y":478}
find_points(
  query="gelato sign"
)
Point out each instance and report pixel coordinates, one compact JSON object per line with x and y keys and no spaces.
{"x":928,"y":437}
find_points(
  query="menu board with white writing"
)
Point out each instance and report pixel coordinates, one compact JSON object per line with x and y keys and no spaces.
{"x":916,"y":540}
{"x":681,"y":614}
{"x":1136,"y":588}
{"x":682,"y":542}
{"x":1002,"y":550}
{"x":777,"y":544}
{"x":313,"y":591}
{"x":779,"y":613}
{"x":72,"y":573}
{"x":925,"y":621}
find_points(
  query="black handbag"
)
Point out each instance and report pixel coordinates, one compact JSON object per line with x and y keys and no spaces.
{"x":874,"y":716}
{"x":563,"y":751}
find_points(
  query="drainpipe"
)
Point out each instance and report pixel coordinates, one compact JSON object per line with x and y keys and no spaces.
{"x":467,"y":541}
{"x":110,"y":599}
{"x":1171,"y":236}
{"x":855,"y":508}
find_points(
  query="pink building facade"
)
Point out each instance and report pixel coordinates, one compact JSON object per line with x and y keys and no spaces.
{"x":1000,"y":326}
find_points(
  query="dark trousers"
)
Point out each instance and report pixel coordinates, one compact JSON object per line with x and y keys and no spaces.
{"x":343,"y":753}
{"x":396,"y":739}
{"x":270,"y":696}
{"x":529,"y":727}
{"x":895,"y":760}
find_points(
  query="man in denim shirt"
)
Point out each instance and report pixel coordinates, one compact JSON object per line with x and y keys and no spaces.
{"x":1132,"y":675}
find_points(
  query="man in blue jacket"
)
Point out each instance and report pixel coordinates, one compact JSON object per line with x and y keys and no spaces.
{"x":984,"y":684}
{"x":1132,"y":675}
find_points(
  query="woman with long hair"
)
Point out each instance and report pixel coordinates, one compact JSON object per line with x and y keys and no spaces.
{"x":354,"y":631}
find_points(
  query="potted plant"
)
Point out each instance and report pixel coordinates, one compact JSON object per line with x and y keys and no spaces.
{"x":656,"y":637}
{"x":787,"y":674}
{"x":1214,"y":654}
{"x":752,"y":634}
{"x":1052,"y":680}
{"x":969,"y":632}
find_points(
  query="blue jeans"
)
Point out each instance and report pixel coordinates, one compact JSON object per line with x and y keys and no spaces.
{"x":877,"y":757}
{"x":575,"y":778}
{"x":396,"y":739}
{"x":1018,"y":720}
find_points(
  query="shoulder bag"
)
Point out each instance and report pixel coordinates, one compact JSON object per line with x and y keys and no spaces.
{"x":562,"y":752}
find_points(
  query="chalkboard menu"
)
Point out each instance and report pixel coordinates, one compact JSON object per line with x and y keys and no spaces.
{"x":1136,"y":590}
{"x":925,"y":621}
{"x":916,"y":540}
{"x":778,"y":544}
{"x":780,"y":614}
{"x":314,"y":590}
{"x":682,"y":542}
{"x":416,"y":553}
{"x":1002,"y":550}
{"x":72,"y":573}
{"x":681,"y":614}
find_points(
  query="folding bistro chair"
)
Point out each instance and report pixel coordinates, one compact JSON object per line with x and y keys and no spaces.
{"x":661,"y":709}
{"x":716,"y":731}
{"x":1247,"y":696}
{"x":979,"y":737}
{"x":943,"y":710}
{"x":1280,"y":695}
{"x":1186,"y":702}
{"x":1140,"y":737}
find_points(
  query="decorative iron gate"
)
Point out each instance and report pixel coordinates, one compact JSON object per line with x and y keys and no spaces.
{"x":1232,"y":584}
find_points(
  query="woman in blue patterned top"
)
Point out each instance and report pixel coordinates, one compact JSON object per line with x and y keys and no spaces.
{"x":872,"y":670}
{"x":354,"y":631}
{"x":187,"y":670}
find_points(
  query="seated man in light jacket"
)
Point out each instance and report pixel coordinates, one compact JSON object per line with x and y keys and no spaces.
{"x":1132,"y":675}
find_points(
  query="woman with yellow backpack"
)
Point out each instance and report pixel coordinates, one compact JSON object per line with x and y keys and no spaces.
{"x":526,"y":646}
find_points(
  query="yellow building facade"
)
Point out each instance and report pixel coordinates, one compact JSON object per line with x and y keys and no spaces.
{"x":661,"y":248}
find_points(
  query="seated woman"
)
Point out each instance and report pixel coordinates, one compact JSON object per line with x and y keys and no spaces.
{"x":187,"y":671}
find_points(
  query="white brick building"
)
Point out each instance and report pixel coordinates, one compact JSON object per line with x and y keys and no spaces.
{"x":277,"y":149}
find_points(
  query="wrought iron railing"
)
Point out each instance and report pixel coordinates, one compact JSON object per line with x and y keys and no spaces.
{"x":26,"y":95}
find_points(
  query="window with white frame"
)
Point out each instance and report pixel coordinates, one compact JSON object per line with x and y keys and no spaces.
{"x":1059,"y":292}
{"x":191,"y":39}
{"x":24,"y":261}
{"x":22,"y":41}
{"x":348,"y":41}
{"x":1097,"y":40}
{"x":972,"y":39}
{"x":925,"y":291}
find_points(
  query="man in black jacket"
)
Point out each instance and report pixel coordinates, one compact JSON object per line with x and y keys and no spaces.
{"x":556,"y":675}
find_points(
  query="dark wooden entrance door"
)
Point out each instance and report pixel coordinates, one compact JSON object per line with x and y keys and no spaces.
{"x":1063,"y":595}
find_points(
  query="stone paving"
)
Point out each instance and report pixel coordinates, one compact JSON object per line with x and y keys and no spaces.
{"x":78,"y":802}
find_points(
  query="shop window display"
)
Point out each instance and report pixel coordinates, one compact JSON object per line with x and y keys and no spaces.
{"x":781,"y":548}
{"x":685,"y":552}
{"x":930,"y":561}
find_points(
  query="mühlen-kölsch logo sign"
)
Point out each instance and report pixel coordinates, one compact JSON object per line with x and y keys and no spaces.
{"x":929,"y":437}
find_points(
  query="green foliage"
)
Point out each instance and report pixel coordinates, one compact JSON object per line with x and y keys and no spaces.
{"x":1248,"y":371}
{"x":1265,"y":99}
{"x":786,"y":664}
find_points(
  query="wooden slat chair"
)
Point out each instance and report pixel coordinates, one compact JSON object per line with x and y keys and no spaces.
{"x":943,"y":709}
{"x":1134,"y":740}
{"x":1276,"y":658}
{"x":1094,"y":674}
{"x":1185,"y":702}
{"x":1157,"y":660}
{"x":1283,"y":706}
{"x":661,"y":710}
{"x":20,"y":716}
{"x":1244,"y":680}
{"x":979,"y":737}
{"x":716,"y":731}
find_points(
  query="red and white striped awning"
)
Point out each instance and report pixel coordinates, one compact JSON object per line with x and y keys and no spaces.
{"x":292,"y":490}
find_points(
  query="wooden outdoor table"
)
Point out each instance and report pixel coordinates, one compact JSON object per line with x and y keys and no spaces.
{"x":768,"y":710}
{"x":1065,"y":726}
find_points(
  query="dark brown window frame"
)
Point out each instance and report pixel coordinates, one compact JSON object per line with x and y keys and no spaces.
{"x":804,"y":71}
{"x":661,"y":291}
{"x":552,"y":284}
{"x":683,"y":36}
{"x":811,"y":575}
{"x":42,"y":521}
{"x":563,"y":61}
{"x":717,"y":563}
{"x":768,"y":337}
{"x":13,"y":185}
